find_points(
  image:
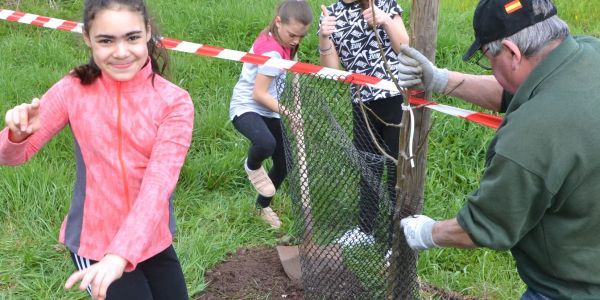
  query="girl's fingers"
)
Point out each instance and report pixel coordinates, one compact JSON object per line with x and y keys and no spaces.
{"x":34,"y":111}
{"x":329,"y":24}
{"x":35,"y":106}
{"x":8,"y":120}
{"x":368,"y":16}
{"x":379,"y":16}
{"x":324,"y":10}
{"x":103,"y":288}
{"x":75,"y":277}
{"x":15,"y":117}
{"x":89,"y":275}
{"x":23,"y":117}
{"x":98,"y":282}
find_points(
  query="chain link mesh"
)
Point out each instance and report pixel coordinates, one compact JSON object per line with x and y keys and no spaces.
{"x":343,"y":192}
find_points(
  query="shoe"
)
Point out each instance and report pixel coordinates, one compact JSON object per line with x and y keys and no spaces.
{"x":260,"y":180}
{"x":270,"y":217}
{"x":355,"y":237}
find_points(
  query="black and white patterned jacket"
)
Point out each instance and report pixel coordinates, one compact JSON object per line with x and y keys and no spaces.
{"x":357,"y":47}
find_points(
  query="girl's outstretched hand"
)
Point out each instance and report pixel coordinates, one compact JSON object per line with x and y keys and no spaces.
{"x":99,"y":276}
{"x":327,"y":23}
{"x":23,"y":120}
{"x":381,"y":18}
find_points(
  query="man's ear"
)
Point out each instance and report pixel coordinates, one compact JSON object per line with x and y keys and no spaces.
{"x":514,"y":51}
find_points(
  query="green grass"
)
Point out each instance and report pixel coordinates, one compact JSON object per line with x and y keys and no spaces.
{"x":214,"y":203}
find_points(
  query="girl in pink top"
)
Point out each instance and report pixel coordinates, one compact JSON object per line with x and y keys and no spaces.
{"x":132,"y":129}
{"x":254,"y":109}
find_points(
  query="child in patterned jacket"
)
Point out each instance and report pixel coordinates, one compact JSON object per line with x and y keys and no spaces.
{"x":346,"y":36}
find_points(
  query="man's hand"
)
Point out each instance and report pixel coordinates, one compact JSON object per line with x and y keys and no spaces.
{"x":418,"y":231}
{"x":433,"y":79}
{"x":99,"y":276}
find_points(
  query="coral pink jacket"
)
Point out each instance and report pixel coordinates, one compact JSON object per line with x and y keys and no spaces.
{"x":131,"y":139}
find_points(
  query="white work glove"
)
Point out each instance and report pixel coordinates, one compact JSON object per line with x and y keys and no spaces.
{"x":418,"y":232}
{"x":433,"y":79}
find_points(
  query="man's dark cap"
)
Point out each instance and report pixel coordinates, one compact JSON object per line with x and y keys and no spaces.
{"x":497,"y":19}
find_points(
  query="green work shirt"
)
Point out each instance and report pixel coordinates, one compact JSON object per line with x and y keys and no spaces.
{"x":540,"y":192}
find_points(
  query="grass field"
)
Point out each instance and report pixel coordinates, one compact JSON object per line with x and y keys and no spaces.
{"x":214,"y":203}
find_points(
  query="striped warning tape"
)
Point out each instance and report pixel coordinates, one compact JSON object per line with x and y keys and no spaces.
{"x":293,"y":66}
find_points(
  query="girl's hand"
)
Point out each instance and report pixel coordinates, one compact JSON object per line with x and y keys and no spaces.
{"x":381,"y":18}
{"x":327,"y":23}
{"x":99,"y":276}
{"x":23,"y":120}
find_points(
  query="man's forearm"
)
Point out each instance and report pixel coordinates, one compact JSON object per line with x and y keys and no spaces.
{"x":448,"y":233}
{"x":481,"y":90}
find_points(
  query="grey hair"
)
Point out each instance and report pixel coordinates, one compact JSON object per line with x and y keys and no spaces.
{"x":532,"y":39}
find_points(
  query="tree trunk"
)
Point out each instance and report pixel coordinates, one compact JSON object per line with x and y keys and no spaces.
{"x":404,"y":282}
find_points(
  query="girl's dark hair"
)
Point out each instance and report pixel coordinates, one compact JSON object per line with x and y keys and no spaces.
{"x":159,"y":58}
{"x":289,"y":10}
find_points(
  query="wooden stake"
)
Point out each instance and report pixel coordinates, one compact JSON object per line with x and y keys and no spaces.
{"x":410,"y":184}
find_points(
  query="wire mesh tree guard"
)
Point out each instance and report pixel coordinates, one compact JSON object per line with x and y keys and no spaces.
{"x":340,"y":182}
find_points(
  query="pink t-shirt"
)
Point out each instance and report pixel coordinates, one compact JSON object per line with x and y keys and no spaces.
{"x":242,"y":100}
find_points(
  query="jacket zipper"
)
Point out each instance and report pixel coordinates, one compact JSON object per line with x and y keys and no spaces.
{"x":120,"y":149}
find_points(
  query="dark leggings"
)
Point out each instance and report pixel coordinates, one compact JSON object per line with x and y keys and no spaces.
{"x":266,"y":138}
{"x":159,"y":277}
{"x":390,"y":111}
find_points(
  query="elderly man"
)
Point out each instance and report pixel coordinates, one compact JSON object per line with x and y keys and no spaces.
{"x":539,"y":195}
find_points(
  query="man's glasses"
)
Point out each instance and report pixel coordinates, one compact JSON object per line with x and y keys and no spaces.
{"x":483,"y":61}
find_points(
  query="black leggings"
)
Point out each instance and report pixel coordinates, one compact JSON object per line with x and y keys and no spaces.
{"x":159,"y":277}
{"x":266,"y":138}
{"x":390,"y":111}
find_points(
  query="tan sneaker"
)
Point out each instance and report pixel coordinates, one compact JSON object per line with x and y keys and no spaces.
{"x":270,"y":217}
{"x":261,"y":181}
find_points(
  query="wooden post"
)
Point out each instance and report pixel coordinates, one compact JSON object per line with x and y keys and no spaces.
{"x":423,"y":25}
{"x":404,"y":282}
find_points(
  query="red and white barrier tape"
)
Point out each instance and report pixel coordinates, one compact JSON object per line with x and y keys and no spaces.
{"x":293,"y":66}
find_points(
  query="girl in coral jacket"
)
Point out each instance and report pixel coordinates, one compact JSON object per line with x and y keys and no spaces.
{"x":132,"y":129}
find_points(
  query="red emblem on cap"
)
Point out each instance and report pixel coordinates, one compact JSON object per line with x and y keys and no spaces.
{"x":513,"y":6}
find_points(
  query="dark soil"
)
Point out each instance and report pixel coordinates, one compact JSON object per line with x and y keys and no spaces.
{"x":256,"y":273}
{"x":251,"y":273}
